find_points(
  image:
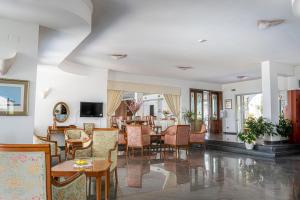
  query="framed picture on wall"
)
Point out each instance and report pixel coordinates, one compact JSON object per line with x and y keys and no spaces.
{"x":228,"y":103}
{"x":13,"y":97}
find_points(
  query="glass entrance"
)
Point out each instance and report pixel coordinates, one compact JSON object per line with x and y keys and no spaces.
{"x":247,"y":105}
{"x":206,"y":107}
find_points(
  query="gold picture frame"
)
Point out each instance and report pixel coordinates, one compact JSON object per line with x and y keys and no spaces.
{"x":13,"y":97}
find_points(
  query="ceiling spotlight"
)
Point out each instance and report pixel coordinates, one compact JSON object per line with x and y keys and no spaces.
{"x":118,"y":56}
{"x":184,"y":68}
{"x":242,"y":77}
{"x":202,"y":40}
{"x":264,"y":24}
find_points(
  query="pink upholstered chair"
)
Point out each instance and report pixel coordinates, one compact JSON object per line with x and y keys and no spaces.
{"x":177,"y":137}
{"x":138,"y":137}
{"x":199,"y":137}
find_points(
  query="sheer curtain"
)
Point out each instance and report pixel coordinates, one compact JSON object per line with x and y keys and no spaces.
{"x":114,"y":98}
{"x":173,"y":102}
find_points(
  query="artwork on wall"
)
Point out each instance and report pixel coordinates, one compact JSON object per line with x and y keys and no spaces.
{"x":228,"y":103}
{"x":13,"y":97}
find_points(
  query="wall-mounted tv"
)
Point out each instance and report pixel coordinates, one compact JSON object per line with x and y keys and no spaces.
{"x":91,"y":109}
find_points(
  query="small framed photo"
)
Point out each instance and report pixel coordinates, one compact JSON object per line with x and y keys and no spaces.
{"x":228,"y":103}
{"x":13,"y":97}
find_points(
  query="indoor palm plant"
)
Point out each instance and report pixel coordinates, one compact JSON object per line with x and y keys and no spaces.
{"x":284,"y":127}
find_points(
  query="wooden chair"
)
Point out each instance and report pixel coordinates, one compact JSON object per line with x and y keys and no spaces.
{"x":26,"y":174}
{"x":177,"y":137}
{"x":88,"y":128}
{"x":138,"y":136}
{"x":54,"y":149}
{"x":103,"y":146}
{"x":75,"y":134}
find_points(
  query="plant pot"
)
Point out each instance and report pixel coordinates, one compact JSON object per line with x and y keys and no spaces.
{"x":272,"y":138}
{"x":249,"y":146}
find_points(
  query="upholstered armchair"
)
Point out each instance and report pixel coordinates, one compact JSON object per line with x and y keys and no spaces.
{"x":54,"y":149}
{"x":75,"y":134}
{"x":25,"y":172}
{"x":103,"y":146}
{"x":138,"y":136}
{"x":177,"y":137}
{"x":199,"y":137}
{"x":88,"y":128}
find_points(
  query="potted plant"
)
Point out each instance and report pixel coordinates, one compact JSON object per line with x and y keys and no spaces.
{"x":259,"y":127}
{"x":284,"y":127}
{"x":248,"y":138}
{"x":188,"y":116}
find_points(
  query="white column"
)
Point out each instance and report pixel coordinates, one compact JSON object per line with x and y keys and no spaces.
{"x":270,"y":91}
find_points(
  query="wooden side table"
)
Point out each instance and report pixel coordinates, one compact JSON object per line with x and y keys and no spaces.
{"x":98,"y":169}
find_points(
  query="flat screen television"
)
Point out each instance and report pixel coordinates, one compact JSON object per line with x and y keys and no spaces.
{"x":91,"y":109}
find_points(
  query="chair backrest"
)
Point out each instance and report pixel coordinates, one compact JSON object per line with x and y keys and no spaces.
{"x":40,"y":140}
{"x":74,"y":133}
{"x":105,"y":139}
{"x":183,"y":134}
{"x":25,"y":171}
{"x":88,"y":128}
{"x":134,"y":135}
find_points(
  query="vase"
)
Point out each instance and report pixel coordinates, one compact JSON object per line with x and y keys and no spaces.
{"x":249,"y":146}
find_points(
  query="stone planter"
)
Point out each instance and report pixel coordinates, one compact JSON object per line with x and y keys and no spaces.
{"x":249,"y":146}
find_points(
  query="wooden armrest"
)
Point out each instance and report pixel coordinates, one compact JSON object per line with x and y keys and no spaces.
{"x":111,"y":150}
{"x":67,"y":181}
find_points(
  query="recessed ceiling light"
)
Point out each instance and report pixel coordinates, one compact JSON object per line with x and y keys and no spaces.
{"x":242,"y":77}
{"x":202,"y":40}
{"x":264,"y":24}
{"x":184,"y":68}
{"x":118,"y":56}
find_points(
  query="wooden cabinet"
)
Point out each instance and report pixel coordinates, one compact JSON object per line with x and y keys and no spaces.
{"x":294,"y":114}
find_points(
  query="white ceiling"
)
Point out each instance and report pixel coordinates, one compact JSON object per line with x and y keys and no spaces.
{"x":159,"y":35}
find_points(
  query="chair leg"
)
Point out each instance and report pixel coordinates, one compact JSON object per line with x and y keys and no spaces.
{"x":142,"y":152}
{"x":126,"y":153}
{"x":116,"y":176}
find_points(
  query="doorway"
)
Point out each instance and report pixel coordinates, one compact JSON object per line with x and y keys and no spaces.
{"x":206,"y":106}
{"x":247,"y":105}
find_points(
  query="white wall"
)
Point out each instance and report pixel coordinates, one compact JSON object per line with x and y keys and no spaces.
{"x":22,"y":37}
{"x":245,"y":87}
{"x":72,"y":89}
{"x":184,"y":85}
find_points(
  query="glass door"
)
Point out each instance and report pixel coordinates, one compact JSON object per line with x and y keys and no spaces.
{"x":196,"y":106}
{"x":247,"y":105}
{"x":206,"y":108}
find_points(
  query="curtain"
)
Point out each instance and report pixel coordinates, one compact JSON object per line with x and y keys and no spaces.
{"x":114,"y":98}
{"x":173,"y":102}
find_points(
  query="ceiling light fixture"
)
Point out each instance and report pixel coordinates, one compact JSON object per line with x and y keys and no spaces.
{"x":184,"y":68}
{"x":118,"y":56}
{"x":242,"y":77}
{"x":264,"y":24}
{"x":202,"y":40}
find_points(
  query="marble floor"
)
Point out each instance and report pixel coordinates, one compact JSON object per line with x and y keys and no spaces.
{"x":209,"y":175}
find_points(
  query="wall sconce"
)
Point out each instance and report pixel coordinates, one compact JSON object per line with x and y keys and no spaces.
{"x":6,"y":63}
{"x":46,"y":93}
